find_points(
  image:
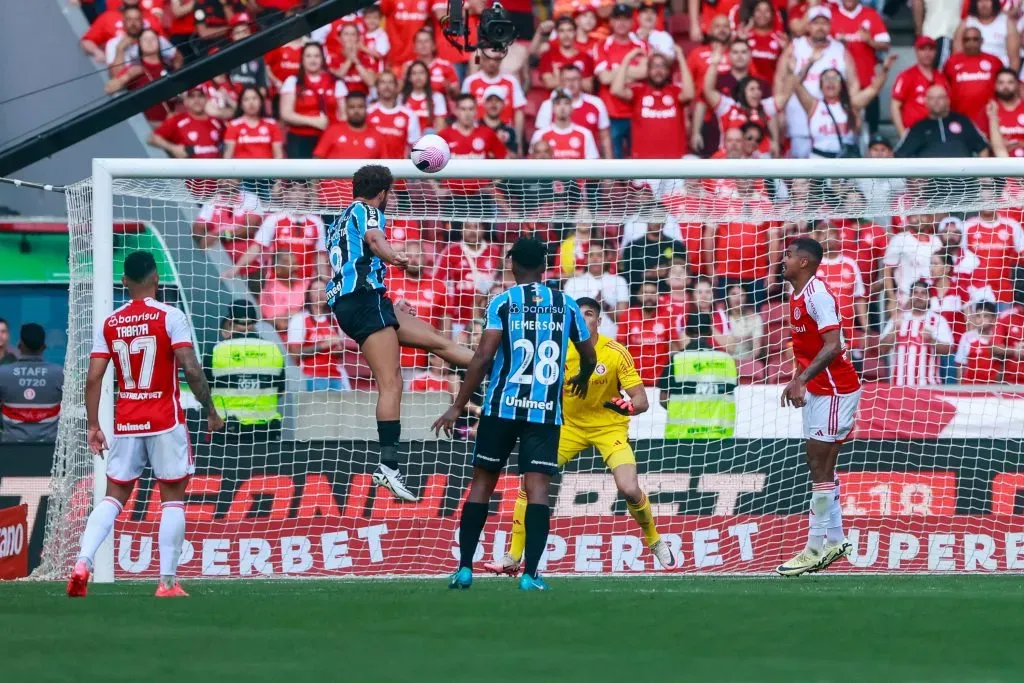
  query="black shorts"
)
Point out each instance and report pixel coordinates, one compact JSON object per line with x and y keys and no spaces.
{"x":496,"y":437}
{"x":362,"y":313}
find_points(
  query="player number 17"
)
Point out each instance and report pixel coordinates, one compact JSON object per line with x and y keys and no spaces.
{"x":125,"y":350}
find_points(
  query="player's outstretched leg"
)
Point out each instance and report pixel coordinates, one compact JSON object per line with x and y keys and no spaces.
{"x":97,"y":528}
{"x":417,"y":334}
{"x":639,"y":507}
{"x":471,"y":524}
{"x":382,"y":352}
{"x":821,"y":459}
{"x":510,"y":563}
{"x":537,"y":523}
{"x":170,"y":538}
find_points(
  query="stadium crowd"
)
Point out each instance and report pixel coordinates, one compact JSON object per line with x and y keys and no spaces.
{"x":925,"y":298}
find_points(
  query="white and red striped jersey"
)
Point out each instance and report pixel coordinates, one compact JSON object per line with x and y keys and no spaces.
{"x":998,"y":245}
{"x":476,"y":84}
{"x":398,"y":126}
{"x":974,"y":356}
{"x":301,"y":234}
{"x":913,"y":359}
{"x":468,"y":272}
{"x":141,"y":338}
{"x":588,"y":111}
{"x":571,"y":142}
{"x":844,"y":279}
{"x":812,"y":312}
{"x":305,"y":328}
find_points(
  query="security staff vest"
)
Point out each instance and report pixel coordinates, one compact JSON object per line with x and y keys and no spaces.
{"x":701,"y":402}
{"x":248,"y":375}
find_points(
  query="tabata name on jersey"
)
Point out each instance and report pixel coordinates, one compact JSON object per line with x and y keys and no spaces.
{"x":532,"y":324}
{"x":133,"y":330}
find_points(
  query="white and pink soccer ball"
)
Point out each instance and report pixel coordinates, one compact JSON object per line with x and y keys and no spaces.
{"x":430,"y":153}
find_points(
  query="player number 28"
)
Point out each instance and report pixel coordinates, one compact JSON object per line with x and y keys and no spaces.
{"x":144,"y":345}
{"x":546,"y":367}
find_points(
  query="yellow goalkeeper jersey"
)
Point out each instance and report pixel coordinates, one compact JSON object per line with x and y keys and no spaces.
{"x":615,"y":371}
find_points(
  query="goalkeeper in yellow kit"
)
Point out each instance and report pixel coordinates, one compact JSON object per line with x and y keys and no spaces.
{"x":600,"y":420}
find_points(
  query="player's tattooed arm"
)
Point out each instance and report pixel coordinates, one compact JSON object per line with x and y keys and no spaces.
{"x":832,"y":347}
{"x":196,"y":378}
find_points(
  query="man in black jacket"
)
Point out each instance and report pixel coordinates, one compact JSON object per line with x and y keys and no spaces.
{"x":943,"y":133}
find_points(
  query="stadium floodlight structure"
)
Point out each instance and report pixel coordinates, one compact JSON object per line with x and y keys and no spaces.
{"x":929,"y":482}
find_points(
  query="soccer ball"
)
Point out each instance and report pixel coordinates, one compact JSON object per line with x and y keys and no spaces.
{"x":430,"y":153}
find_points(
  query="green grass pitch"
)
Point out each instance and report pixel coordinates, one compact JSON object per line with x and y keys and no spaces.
{"x":630,"y":630}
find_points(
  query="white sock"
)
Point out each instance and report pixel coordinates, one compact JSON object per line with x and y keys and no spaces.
{"x":171,"y":537}
{"x":821,"y":503}
{"x":835,"y":533}
{"x":97,"y":528}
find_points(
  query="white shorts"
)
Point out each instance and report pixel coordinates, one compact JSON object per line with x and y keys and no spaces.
{"x":169,"y":454}
{"x":829,"y":418}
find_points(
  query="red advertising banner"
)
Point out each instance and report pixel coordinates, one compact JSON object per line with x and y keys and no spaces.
{"x":14,"y":542}
{"x":330,"y":546}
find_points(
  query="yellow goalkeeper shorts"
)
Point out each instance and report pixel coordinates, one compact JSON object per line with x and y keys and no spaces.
{"x":612,"y":443}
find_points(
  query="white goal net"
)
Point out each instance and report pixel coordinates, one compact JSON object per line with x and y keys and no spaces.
{"x":683,"y":258}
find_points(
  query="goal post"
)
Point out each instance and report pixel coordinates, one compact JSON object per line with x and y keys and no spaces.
{"x":735,"y":502}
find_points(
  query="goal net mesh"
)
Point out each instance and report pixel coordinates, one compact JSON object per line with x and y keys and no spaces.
{"x":928,"y":481}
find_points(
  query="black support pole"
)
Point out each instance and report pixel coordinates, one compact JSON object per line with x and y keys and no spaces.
{"x":66,"y":133}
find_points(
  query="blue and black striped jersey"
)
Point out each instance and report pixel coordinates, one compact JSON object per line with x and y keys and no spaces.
{"x":537,"y":324}
{"x":355,"y":266}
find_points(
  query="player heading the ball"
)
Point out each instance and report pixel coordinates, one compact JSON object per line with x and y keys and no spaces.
{"x":599,"y":419}
{"x":525,"y":343}
{"x":359,"y":255}
{"x":827,"y":390}
{"x":147,"y":341}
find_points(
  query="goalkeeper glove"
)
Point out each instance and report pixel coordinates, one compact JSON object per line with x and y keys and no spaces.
{"x":622,"y":406}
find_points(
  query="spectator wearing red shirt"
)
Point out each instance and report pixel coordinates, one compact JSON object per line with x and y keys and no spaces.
{"x":974,"y":354}
{"x":648,"y":332}
{"x":997,"y":241}
{"x":587,"y":110}
{"x":150,"y":67}
{"x":303,"y":234}
{"x":862,"y":30}
{"x":1008,"y":344}
{"x":353,"y":65}
{"x":704,"y":133}
{"x":435,"y":379}
{"x":315,"y":339}
{"x":403,"y":18}
{"x":351,"y":139}
{"x":110,"y":25}
{"x":972,"y":78}
{"x":310,"y":102}
{"x":469,"y":267}
{"x":949,"y":295}
{"x":658,"y":106}
{"x":182,"y":26}
{"x":424,"y":293}
{"x":443,"y":77}
{"x":123,"y":49}
{"x":841,"y":273}
{"x":994,"y":19}
{"x":739,"y":251}
{"x":609,"y":55}
{"x":469,"y":140}
{"x":907,"y":105}
{"x":703,"y":14}
{"x":566,"y":139}
{"x":766,"y":39}
{"x":395,"y":123}
{"x":562,"y":51}
{"x":192,"y":134}
{"x":746,"y":104}
{"x":490,"y":76}
{"x":283,"y":62}
{"x":429,"y":106}
{"x":1010,"y":112}
{"x":252,"y":135}
{"x":284,"y":293}
{"x":650,"y":24}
